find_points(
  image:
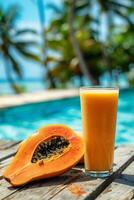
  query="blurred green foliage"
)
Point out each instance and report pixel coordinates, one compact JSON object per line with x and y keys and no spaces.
{"x":131,"y":77}
{"x":73,"y":41}
{"x":114,"y":54}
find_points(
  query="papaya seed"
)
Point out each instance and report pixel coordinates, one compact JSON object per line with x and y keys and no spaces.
{"x":49,"y":148}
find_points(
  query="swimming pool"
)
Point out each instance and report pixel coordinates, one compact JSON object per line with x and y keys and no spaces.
{"x":18,"y":122}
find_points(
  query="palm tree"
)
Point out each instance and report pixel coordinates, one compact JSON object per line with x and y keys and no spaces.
{"x":117,"y":8}
{"x":113,"y":9}
{"x":13,"y":43}
{"x":41,"y":13}
{"x":66,"y":39}
{"x":82,"y":63}
{"x":79,"y":49}
{"x":110,"y":8}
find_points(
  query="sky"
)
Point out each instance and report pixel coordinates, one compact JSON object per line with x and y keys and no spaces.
{"x":28,"y":18}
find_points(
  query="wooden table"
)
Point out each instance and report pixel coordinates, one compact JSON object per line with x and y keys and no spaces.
{"x":73,"y":184}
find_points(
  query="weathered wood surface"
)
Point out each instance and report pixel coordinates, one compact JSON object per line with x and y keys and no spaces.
{"x":4,"y":144}
{"x":3,"y":165}
{"x":72,"y":185}
{"x":8,"y":149}
{"x":122,"y":188}
{"x":90,"y":188}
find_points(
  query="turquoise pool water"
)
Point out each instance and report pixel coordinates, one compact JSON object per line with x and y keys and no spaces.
{"x":19,"y":122}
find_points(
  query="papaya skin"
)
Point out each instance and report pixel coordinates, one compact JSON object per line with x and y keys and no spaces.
{"x":80,"y":134}
{"x":21,"y":170}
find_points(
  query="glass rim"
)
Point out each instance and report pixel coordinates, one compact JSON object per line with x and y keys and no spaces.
{"x":99,"y":88}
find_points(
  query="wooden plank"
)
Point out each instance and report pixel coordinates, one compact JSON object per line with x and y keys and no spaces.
{"x":2,"y":143}
{"x":3,"y":165}
{"x":4,"y":154}
{"x":6,"y":144}
{"x":65,"y":186}
{"x":8,"y":151}
{"x":35,"y":190}
{"x":121,"y":188}
{"x":124,"y":161}
{"x":89,"y":188}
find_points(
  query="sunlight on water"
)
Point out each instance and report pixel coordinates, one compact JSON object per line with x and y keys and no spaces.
{"x":19,"y":122}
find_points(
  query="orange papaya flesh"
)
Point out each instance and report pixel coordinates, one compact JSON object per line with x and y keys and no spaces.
{"x":53,"y":150}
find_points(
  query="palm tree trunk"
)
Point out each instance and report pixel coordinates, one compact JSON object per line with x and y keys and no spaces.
{"x":108,"y":63}
{"x":50,"y":79}
{"x":81,"y":80}
{"x":108,"y":60}
{"x":83,"y":66}
{"x":9,"y":77}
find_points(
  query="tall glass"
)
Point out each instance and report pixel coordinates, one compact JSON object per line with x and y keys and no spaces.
{"x":99,"y":110}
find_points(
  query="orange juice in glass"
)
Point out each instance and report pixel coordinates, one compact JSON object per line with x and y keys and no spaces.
{"x":99,"y":110}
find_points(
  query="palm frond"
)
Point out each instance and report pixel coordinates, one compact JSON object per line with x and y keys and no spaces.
{"x":122,"y":15}
{"x":80,"y":5}
{"x":119,"y":5}
{"x":55,"y":8}
{"x":25,"y":31}
{"x":25,"y":44}
{"x":15,"y":65}
{"x":29,"y":55}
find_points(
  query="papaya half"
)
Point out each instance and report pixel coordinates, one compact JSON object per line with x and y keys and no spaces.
{"x":49,"y":152}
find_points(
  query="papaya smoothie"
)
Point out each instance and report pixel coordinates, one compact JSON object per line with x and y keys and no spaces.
{"x":99,"y":110}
